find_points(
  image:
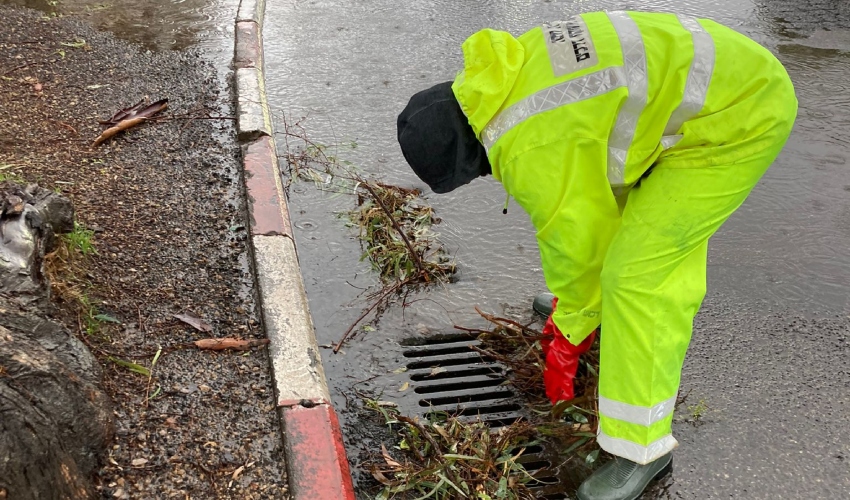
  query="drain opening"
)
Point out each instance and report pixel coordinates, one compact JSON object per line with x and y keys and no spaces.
{"x":472,"y":387}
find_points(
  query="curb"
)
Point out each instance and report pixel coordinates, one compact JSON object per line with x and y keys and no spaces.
{"x":316,"y":463}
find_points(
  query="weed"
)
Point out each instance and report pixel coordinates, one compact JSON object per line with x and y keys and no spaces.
{"x":6,"y":173}
{"x":698,"y":411}
{"x":80,"y":239}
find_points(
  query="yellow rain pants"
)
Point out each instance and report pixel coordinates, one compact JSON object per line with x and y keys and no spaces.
{"x":629,"y":138}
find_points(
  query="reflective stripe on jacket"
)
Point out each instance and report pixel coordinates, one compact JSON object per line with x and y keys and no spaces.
{"x":574,"y":112}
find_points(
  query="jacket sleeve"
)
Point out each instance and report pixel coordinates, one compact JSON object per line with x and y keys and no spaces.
{"x":564,"y":188}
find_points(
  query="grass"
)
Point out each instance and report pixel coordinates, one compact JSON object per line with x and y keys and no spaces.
{"x":80,"y":240}
{"x":395,"y":230}
{"x":449,"y":459}
{"x":65,"y":268}
{"x":6,"y":173}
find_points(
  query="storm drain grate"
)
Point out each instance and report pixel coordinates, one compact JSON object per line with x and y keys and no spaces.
{"x":446,"y":375}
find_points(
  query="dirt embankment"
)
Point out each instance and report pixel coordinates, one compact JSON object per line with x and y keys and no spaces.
{"x":166,"y":206}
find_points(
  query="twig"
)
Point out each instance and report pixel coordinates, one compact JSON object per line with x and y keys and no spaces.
{"x":69,"y":127}
{"x":502,"y":321}
{"x":422,"y":431}
{"x":16,"y":68}
{"x":368,"y":310}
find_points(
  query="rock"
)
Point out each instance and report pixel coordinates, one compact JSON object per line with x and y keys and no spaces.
{"x":55,"y":421}
{"x":30,"y":218}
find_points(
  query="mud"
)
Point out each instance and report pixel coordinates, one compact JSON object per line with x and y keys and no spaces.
{"x":166,"y":204}
{"x":773,"y":387}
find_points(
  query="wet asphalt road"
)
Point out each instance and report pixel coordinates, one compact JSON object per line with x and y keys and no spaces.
{"x":770,"y":353}
{"x":770,"y":350}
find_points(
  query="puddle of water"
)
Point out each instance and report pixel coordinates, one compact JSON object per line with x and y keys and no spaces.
{"x":154,"y":24}
{"x":354,"y":78}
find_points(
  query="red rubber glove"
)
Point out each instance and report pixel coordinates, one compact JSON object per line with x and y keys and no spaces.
{"x":561,"y":360}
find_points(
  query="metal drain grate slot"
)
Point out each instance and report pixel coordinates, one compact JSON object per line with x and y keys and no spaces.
{"x":464,"y":411}
{"x":493,"y":370}
{"x":460,"y":385}
{"x":534,"y":465}
{"x":441,"y":351}
{"x":464,"y":358}
{"x":439,"y":339}
{"x":495,"y":423}
{"x":466,"y":397}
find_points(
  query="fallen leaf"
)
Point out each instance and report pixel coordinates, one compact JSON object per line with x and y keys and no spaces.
{"x":436,"y":371}
{"x":441,"y":431}
{"x":138,"y":462}
{"x":106,"y":318}
{"x":387,"y":404}
{"x":404,"y":386}
{"x":400,"y":370}
{"x":229,"y":343}
{"x":388,"y":459}
{"x":235,"y":475}
{"x":133,"y":367}
{"x":194,"y":321}
{"x":131,"y":121}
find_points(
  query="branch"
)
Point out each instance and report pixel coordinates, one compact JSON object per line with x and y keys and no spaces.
{"x":368,"y":310}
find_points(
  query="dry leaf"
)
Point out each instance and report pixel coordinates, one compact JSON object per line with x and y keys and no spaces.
{"x":194,"y":321}
{"x":441,"y":432}
{"x":436,"y":371}
{"x":388,"y":459}
{"x":404,"y":387}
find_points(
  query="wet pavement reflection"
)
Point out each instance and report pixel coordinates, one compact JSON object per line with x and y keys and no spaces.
{"x":154,"y":24}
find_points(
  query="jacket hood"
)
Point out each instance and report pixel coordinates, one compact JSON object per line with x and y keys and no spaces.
{"x":491,"y":63}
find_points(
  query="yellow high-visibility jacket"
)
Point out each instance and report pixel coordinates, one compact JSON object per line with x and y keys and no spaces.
{"x":574,"y":113}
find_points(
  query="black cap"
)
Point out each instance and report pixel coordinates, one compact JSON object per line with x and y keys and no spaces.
{"x":438,"y":142}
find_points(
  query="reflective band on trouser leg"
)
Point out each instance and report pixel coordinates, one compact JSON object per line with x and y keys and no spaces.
{"x":634,"y":63}
{"x":646,"y":429}
{"x":638,"y":443}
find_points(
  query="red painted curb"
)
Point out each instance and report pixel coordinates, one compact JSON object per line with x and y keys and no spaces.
{"x":266,"y":209}
{"x":315,"y":455}
{"x":248,"y":48}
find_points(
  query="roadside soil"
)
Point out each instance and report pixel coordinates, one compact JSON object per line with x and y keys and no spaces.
{"x":166,"y":203}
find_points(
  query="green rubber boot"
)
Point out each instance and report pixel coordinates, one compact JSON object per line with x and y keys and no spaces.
{"x":542,"y":304}
{"x":622,"y":479}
